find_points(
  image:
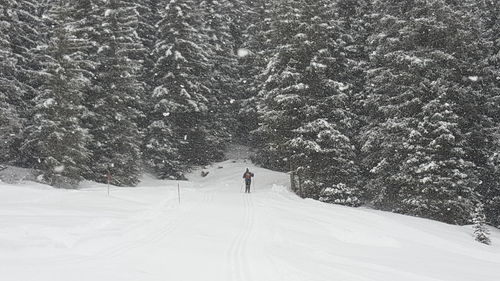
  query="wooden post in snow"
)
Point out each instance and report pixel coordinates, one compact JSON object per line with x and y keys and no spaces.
{"x":179,"y":192}
{"x":300,"y":186}
{"x":109,"y":180}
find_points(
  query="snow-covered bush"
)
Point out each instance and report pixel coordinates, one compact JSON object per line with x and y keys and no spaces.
{"x":340,"y":194}
{"x":481,"y":232}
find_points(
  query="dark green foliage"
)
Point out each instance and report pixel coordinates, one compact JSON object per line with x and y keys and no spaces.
{"x":148,"y":12}
{"x":253,"y":52}
{"x":18,"y":73}
{"x":178,"y":121}
{"x":488,"y":14}
{"x":481,"y":231}
{"x":54,"y":136}
{"x":10,"y":87}
{"x":116,"y":137}
{"x":217,"y":26}
{"x":305,"y":113}
{"x":426,"y":143}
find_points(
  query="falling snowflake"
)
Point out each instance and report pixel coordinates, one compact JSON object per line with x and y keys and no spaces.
{"x":59,"y":169}
{"x":243,"y":53}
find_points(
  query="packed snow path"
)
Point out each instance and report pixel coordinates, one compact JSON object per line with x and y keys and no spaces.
{"x":219,"y":233}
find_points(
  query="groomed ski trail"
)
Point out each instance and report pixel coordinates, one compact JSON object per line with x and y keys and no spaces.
{"x":219,"y":233}
{"x":236,"y":254}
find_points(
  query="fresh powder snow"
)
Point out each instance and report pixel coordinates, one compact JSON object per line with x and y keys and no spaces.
{"x":219,"y":233}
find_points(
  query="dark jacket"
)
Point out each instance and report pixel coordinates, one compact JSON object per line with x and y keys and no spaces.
{"x":248,"y":176}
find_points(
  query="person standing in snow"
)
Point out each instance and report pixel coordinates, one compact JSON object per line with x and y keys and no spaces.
{"x":248,"y":180}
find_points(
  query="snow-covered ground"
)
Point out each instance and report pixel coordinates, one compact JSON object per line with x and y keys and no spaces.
{"x":218,"y":233}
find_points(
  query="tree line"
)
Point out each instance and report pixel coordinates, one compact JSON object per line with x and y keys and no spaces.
{"x":96,"y":87}
{"x":392,"y":104}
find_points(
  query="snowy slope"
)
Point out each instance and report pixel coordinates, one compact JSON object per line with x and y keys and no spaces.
{"x":218,"y":233}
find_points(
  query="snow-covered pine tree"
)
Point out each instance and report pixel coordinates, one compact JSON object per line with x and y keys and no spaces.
{"x":87,"y":26}
{"x":330,"y":121}
{"x":487,"y":13}
{"x":217,"y":24}
{"x":55,"y":135}
{"x":252,"y":24}
{"x":422,"y":143}
{"x":383,"y":138}
{"x":436,"y":181}
{"x":283,"y":95}
{"x":148,"y":16}
{"x":178,"y":132}
{"x":492,"y":195}
{"x":354,"y":25}
{"x":468,"y":97}
{"x":491,"y":29}
{"x":306,"y":103}
{"x":255,"y":48}
{"x":253,"y":55}
{"x":160,"y":152}
{"x":483,"y":103}
{"x":26,"y":26}
{"x":22,"y":24}
{"x":332,"y":168}
{"x":115,"y":101}
{"x":10,"y":88}
{"x":481,"y":232}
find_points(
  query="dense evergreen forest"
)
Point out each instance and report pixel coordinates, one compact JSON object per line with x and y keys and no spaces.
{"x":387,"y":103}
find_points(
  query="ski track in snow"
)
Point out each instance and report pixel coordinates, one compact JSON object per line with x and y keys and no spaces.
{"x":164,"y":226}
{"x":219,"y":233}
{"x":118,"y":247}
{"x":237,"y":252}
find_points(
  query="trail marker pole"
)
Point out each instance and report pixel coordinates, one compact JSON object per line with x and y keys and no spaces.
{"x":300,"y":186}
{"x":179,"y":192}
{"x":109,"y":180}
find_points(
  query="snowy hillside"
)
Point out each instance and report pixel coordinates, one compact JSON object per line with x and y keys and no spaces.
{"x":218,"y":233}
